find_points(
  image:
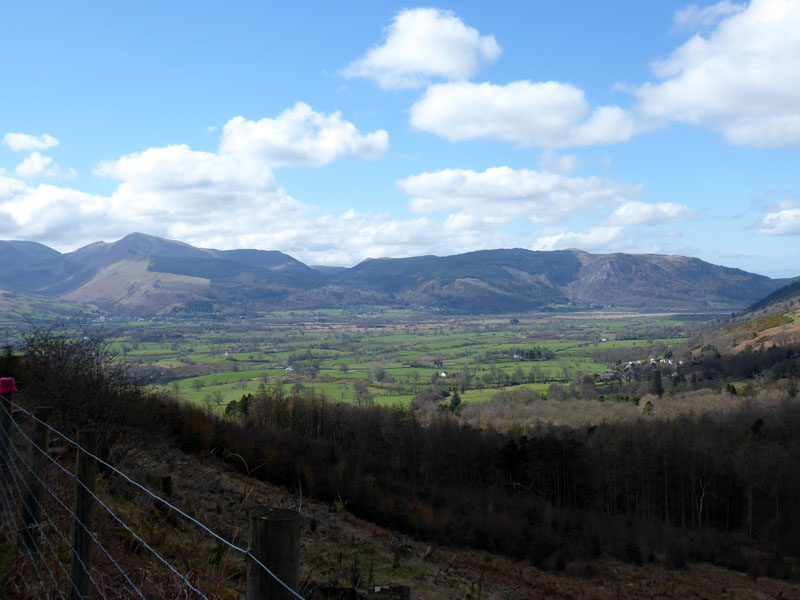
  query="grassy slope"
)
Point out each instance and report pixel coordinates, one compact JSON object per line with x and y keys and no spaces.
{"x":128,"y":285}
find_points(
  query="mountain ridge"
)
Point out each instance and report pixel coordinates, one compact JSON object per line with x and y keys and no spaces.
{"x":144,"y":274}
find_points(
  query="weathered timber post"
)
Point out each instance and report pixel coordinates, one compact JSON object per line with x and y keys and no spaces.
{"x":275,"y":542}
{"x":81,"y":561}
{"x":32,"y":507}
{"x":7,"y":388}
{"x":166,"y":485}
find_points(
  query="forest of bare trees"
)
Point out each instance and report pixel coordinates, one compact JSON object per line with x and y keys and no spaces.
{"x":710,"y":487}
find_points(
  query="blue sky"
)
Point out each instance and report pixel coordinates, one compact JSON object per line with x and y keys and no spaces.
{"x":340,"y":131}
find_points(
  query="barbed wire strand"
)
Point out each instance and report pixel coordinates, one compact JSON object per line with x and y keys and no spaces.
{"x":12,"y":541}
{"x":9,"y":509}
{"x":36,"y":546}
{"x":63,"y":536}
{"x":246,"y":552}
{"x":30,"y":536}
{"x":113,"y":515}
{"x":19,"y":516}
{"x":91,"y":535}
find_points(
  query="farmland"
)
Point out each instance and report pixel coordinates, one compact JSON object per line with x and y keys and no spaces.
{"x":387,"y":357}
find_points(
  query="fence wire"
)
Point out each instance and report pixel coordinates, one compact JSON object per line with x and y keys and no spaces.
{"x":38,"y":523}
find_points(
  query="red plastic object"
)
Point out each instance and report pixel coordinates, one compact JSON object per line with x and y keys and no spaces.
{"x":7,"y":385}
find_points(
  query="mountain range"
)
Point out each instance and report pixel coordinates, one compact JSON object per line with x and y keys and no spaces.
{"x":142,"y":274}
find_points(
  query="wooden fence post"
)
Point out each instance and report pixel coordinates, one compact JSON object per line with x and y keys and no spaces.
{"x":81,"y":561}
{"x":32,"y":508}
{"x":275,"y":541}
{"x":5,"y":440}
{"x":7,"y":389}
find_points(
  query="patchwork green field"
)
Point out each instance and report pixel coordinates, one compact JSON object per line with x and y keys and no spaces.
{"x":387,"y":357}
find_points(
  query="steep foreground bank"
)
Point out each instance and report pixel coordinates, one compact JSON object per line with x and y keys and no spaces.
{"x":338,"y":549}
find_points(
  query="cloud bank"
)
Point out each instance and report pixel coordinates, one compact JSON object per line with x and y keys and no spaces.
{"x":231,"y":198}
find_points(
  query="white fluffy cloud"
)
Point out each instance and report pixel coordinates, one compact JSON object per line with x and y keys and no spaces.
{"x":642,"y":213}
{"x":424,"y":43}
{"x":547,"y":114}
{"x":178,"y":181}
{"x":782,"y":222}
{"x":23,"y":142}
{"x":178,"y":192}
{"x":178,"y":169}
{"x":36,"y":165}
{"x":503,"y":194}
{"x":300,"y":136}
{"x":742,"y":80}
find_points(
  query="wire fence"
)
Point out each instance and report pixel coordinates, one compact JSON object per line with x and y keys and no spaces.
{"x":142,"y":546}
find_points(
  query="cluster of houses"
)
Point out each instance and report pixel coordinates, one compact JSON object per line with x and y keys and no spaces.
{"x":626,"y":371}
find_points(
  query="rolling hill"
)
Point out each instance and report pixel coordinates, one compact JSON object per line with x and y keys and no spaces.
{"x":142,"y":274}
